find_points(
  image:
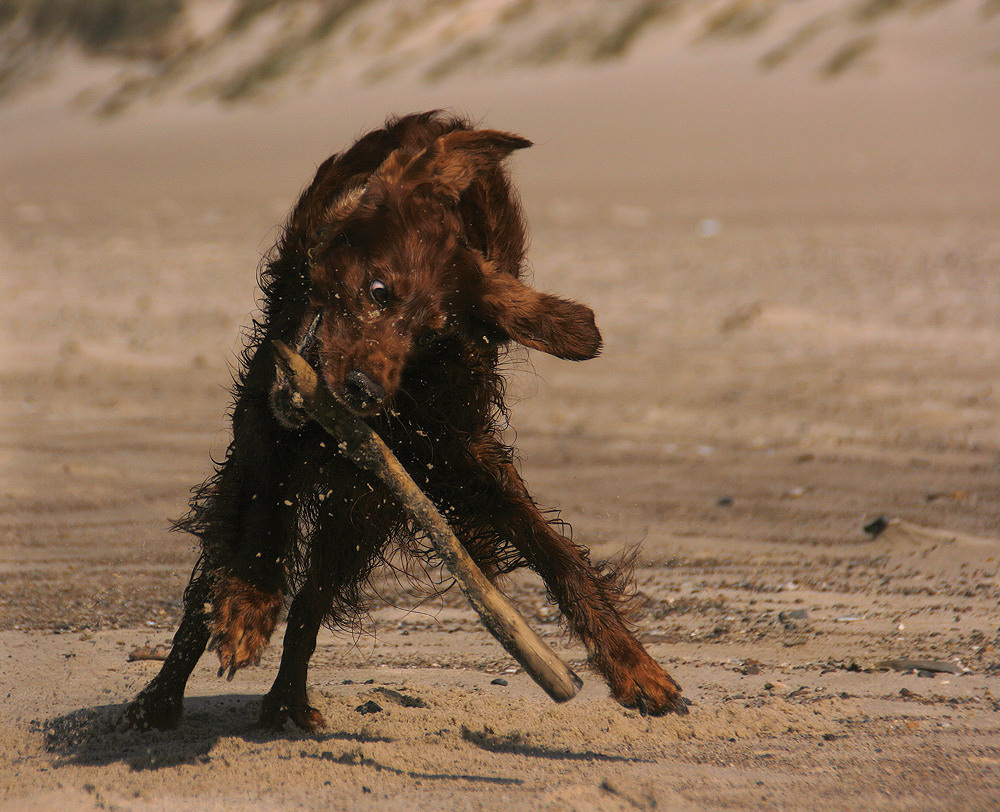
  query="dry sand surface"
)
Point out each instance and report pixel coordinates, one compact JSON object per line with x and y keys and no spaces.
{"x":799,"y":288}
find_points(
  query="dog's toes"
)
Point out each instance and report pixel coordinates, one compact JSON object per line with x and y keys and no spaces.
{"x":237,"y":647}
{"x":243,"y":620}
{"x":272,"y":718}
{"x":156,"y":710}
{"x":308,"y":719}
{"x":675,"y":704}
{"x":232,"y":659}
{"x":276,"y":712}
{"x":656,"y":700}
{"x":649,"y":689}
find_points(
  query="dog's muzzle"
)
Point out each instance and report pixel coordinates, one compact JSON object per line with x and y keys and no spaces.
{"x":362,"y":394}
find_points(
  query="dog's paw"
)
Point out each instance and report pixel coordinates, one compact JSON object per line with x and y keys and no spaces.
{"x":243,"y":620}
{"x":276,"y":711}
{"x":649,"y":689}
{"x":153,"y":710}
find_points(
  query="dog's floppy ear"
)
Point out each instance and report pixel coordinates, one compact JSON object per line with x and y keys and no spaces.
{"x":560,"y":327}
{"x":455,"y":159}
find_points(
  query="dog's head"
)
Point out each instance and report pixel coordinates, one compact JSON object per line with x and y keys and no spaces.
{"x":394,"y":277}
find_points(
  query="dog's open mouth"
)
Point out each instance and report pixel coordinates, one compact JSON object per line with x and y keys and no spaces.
{"x":361,"y":394}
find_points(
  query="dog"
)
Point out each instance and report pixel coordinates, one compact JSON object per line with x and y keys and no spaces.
{"x":398,"y":277}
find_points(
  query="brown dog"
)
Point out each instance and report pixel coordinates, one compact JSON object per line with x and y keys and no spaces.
{"x":398,"y":278}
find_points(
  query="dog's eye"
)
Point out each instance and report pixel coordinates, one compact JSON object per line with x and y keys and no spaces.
{"x":428,"y":338}
{"x":379,"y":292}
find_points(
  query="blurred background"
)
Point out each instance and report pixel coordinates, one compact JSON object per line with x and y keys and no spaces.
{"x":695,"y":102}
{"x":784,"y":213}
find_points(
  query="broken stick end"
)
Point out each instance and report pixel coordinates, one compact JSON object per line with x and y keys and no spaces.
{"x":564,"y":693}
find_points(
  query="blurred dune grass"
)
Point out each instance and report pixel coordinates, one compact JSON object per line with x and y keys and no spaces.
{"x":235,"y":50}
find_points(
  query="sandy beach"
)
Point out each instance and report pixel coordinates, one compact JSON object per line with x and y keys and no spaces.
{"x":798,"y":283}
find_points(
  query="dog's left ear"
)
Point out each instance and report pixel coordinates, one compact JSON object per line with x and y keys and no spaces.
{"x":455,"y":159}
{"x":560,"y":327}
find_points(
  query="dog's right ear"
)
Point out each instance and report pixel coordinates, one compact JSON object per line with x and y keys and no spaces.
{"x":455,"y":159}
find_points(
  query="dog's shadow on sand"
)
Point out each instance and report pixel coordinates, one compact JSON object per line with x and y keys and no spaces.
{"x":99,"y":736}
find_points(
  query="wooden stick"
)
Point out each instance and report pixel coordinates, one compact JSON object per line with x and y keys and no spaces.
{"x":361,"y":445}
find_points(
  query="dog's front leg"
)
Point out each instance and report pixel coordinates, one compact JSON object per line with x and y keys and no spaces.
{"x":246,"y":517}
{"x":288,"y":698}
{"x":248,"y":577}
{"x":591,"y":598}
{"x":160,"y":703}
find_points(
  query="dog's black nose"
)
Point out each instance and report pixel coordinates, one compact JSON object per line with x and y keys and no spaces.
{"x":361,"y":392}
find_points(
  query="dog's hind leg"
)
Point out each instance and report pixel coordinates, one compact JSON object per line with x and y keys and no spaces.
{"x":160,"y":703}
{"x":341,"y":557}
{"x":287,"y":698}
